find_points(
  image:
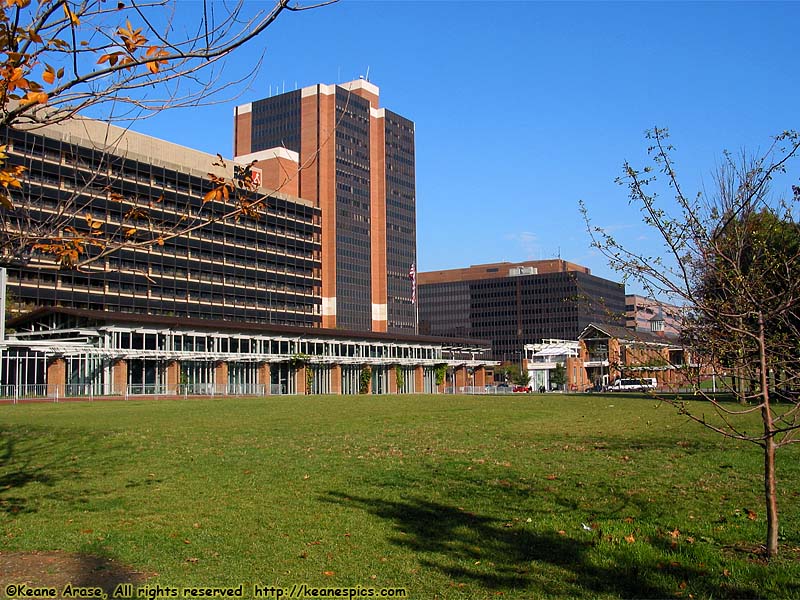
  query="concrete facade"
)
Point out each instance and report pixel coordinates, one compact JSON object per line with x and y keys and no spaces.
{"x":263,"y":269}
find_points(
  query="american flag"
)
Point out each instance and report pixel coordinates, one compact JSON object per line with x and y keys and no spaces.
{"x":412,"y":275}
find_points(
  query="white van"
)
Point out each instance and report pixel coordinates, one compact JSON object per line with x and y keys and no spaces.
{"x":633,"y":385}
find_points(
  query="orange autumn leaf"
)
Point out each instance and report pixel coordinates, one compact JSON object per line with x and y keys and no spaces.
{"x":111,"y":58}
{"x":92,"y":223}
{"x":15,"y":79}
{"x":157,"y":54}
{"x":9,"y":176}
{"x":49,"y":75}
{"x":73,"y":18}
{"x":37,"y":97}
{"x":131,"y":38}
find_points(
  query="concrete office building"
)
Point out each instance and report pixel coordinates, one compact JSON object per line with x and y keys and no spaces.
{"x":264,"y":270}
{"x":514,"y":304}
{"x":354,"y":160}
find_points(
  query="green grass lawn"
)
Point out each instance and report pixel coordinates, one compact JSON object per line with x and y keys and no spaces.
{"x":449,"y":497}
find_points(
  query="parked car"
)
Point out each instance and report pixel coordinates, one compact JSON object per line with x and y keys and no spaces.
{"x":524,"y":389}
{"x":633,"y":385}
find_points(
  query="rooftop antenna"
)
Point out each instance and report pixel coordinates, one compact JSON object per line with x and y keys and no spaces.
{"x":367,"y":76}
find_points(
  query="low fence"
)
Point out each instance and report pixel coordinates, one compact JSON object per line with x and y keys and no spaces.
{"x":18,"y":392}
{"x":477,"y":389}
{"x":505,"y":389}
{"x":12,"y":394}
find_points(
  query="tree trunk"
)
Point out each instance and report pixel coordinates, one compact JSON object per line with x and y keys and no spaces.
{"x":771,"y":497}
{"x":770,"y":479}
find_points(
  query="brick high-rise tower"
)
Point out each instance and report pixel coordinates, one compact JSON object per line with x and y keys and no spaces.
{"x":333,"y":145}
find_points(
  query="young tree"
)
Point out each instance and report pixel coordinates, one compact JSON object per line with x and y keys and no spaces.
{"x":118,"y":61}
{"x":512,"y":373}
{"x":503,"y":373}
{"x":520,"y":377}
{"x":558,"y":376}
{"x":732,"y":258}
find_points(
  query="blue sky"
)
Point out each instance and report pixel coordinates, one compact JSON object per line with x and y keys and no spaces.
{"x":524,"y":108}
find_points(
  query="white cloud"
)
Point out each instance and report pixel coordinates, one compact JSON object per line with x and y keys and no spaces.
{"x":528,"y":242}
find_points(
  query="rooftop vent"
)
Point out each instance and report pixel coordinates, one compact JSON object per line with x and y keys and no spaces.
{"x":519,"y":271}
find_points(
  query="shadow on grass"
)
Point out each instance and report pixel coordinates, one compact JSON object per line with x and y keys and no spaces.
{"x":19,"y":468}
{"x":57,"y":569}
{"x":500,"y":555}
{"x":32,"y":457}
{"x":96,"y":571}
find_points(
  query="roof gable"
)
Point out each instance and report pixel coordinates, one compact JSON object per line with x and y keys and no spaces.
{"x":623,"y":334}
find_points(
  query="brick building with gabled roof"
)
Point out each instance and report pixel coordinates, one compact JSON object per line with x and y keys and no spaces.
{"x":610,"y":352}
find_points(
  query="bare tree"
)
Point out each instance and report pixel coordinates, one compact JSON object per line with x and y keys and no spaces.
{"x":120,"y":61}
{"x":62,"y":57}
{"x":732,"y":259}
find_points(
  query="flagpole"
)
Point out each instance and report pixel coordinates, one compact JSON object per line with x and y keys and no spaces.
{"x":412,"y":275}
